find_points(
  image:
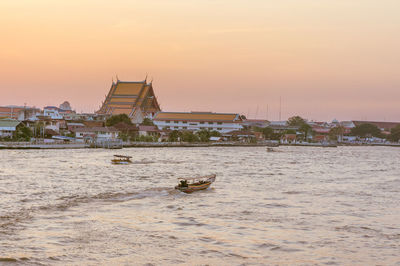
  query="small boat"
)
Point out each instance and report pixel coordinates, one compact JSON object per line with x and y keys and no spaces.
{"x":189,"y":185}
{"x":121,"y":159}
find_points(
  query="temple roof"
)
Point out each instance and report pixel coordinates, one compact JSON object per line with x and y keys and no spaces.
{"x":125,"y":97}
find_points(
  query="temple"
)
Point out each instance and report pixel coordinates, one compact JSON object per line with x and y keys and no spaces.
{"x":136,"y":99}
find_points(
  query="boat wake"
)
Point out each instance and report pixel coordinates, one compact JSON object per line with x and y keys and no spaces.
{"x":9,"y":221}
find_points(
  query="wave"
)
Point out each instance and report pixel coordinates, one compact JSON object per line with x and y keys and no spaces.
{"x":9,"y":221}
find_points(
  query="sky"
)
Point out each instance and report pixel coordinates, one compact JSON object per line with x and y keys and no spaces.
{"x":324,"y":59}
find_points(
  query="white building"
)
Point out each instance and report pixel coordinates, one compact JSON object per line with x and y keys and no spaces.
{"x":52,"y":112}
{"x":195,"y":121}
{"x":99,"y":133}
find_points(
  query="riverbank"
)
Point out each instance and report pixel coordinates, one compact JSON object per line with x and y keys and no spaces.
{"x":27,"y":145}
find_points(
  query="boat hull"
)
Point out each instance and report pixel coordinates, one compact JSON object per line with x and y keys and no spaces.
{"x":193,"y":188}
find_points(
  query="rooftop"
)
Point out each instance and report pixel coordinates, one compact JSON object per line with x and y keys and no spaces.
{"x":198,"y":116}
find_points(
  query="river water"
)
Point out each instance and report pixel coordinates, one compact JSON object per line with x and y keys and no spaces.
{"x":297,"y":205}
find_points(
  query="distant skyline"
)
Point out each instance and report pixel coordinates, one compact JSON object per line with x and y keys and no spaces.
{"x":325,"y":59}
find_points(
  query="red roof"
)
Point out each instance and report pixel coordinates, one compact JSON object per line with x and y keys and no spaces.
{"x":148,"y":128}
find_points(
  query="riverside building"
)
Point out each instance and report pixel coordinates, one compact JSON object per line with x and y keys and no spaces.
{"x":195,"y":121}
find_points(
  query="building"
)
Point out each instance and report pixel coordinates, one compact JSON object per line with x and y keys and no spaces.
{"x":96,"y":133}
{"x":19,"y":112}
{"x":195,"y":121}
{"x":53,"y":112}
{"x":255,"y":123}
{"x":148,"y":131}
{"x":8,"y":127}
{"x":135,"y":99}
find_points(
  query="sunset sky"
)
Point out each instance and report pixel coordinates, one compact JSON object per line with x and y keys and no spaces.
{"x":326,"y":59}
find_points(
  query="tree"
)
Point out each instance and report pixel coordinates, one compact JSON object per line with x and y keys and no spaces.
{"x":296,"y":121}
{"x":366,"y":130}
{"x":306,"y":130}
{"x":215,"y":133}
{"x":24,"y":133}
{"x":115,"y":119}
{"x":395,"y":134}
{"x":203,"y":135}
{"x":188,"y":136}
{"x":267,"y":132}
{"x":174,"y":136}
{"x":147,"y":122}
{"x":336,"y":133}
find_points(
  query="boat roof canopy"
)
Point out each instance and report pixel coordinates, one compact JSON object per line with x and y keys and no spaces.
{"x":122,"y":156}
{"x":196,"y":178}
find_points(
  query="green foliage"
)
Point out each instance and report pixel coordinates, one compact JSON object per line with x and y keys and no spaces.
{"x":23,"y":133}
{"x":203,"y":135}
{"x":302,"y":124}
{"x":123,"y":136}
{"x":395,"y":134}
{"x":188,"y":136}
{"x":296,"y":121}
{"x":290,"y":131}
{"x":215,"y":133}
{"x":174,"y":136}
{"x":39,"y":127}
{"x":115,"y":119}
{"x":366,"y":130}
{"x":147,"y":122}
{"x":306,"y":130}
{"x":336,"y":132}
{"x":70,"y":134}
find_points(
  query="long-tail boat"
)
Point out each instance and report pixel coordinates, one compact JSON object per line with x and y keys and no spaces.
{"x":189,"y":185}
{"x":121,"y":159}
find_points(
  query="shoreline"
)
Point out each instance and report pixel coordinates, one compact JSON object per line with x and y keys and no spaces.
{"x":26,"y":146}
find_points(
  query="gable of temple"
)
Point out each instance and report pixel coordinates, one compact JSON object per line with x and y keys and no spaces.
{"x":130,"y":98}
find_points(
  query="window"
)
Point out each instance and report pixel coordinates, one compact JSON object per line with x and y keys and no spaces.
{"x":167,"y":121}
{"x":219,"y":123}
{"x":210,"y":128}
{"x":219,"y":128}
{"x":202,"y":123}
{"x":211,"y":123}
{"x":185,"y":122}
{"x":176,"y":127}
{"x":184,"y":127}
{"x":167,"y":127}
{"x":176,"y":122}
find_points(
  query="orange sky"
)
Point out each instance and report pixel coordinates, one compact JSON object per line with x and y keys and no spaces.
{"x":326,"y":59}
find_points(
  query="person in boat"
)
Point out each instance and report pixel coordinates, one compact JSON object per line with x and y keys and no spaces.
{"x":183,"y":183}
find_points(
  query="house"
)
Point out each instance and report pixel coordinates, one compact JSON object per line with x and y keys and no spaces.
{"x":239,"y":135}
{"x":133,"y":98}
{"x":148,"y":131}
{"x":195,"y":121}
{"x":255,"y":123}
{"x":289,"y":138}
{"x":98,"y":133}
{"x":8,"y":127}
{"x":52,"y":112}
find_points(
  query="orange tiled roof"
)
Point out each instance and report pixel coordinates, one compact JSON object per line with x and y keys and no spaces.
{"x":198,"y":116}
{"x":128,"y":88}
{"x":122,"y":100}
{"x":130,"y":95}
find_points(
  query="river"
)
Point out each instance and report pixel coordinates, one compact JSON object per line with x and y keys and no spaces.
{"x":296,"y":205}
